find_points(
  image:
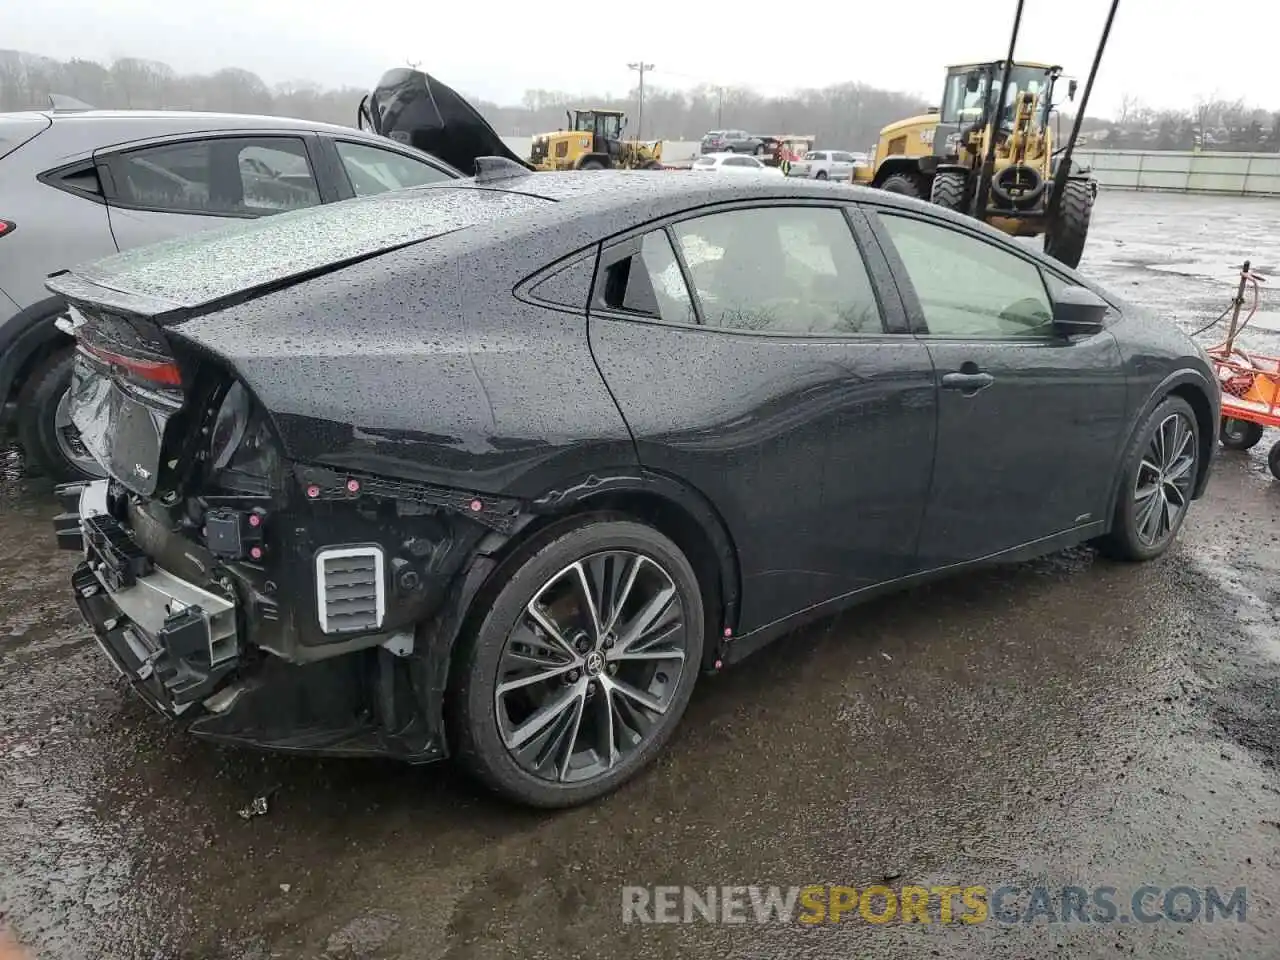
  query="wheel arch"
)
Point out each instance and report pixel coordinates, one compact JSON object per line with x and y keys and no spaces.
{"x":671,"y":506}
{"x":895,"y":165}
{"x":1191,"y":386}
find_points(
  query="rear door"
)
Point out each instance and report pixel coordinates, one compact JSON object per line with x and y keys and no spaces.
{"x":180,"y":186}
{"x":754,"y":356}
{"x":1029,"y":421}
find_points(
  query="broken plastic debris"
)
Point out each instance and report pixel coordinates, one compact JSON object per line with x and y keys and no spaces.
{"x":256,"y":809}
{"x":885,"y":655}
{"x":286,"y":887}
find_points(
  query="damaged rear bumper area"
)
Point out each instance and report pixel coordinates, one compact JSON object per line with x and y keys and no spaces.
{"x":189,"y":651}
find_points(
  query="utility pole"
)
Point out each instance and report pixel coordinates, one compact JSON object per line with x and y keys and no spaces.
{"x":719,"y":106}
{"x":640,"y":67}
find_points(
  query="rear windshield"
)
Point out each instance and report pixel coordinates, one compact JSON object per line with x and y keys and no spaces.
{"x":17,"y":129}
{"x":203,"y":267}
{"x":704,"y":162}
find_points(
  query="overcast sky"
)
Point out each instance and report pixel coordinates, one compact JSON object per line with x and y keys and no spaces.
{"x":1168,"y":52}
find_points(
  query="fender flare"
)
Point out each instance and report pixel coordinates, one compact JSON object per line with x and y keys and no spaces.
{"x":1184,"y":376}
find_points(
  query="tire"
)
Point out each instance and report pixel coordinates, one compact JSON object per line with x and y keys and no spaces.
{"x":1239,"y":434}
{"x":761,"y":151}
{"x":907,"y":184}
{"x":820,"y":175}
{"x":52,"y":448}
{"x":1273,"y":460}
{"x":591,"y":163}
{"x":1064,"y":239}
{"x":728,"y":149}
{"x":951,"y":190}
{"x":1126,"y":540}
{"x":480,"y":719}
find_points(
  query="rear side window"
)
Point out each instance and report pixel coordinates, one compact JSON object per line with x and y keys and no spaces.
{"x":226,"y":176}
{"x":790,"y":270}
{"x":650,"y":283}
{"x":374,"y":170}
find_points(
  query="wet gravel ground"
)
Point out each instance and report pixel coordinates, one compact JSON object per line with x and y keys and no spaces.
{"x":1068,"y":721}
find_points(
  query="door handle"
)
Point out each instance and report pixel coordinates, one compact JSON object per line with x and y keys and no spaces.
{"x":967,"y":383}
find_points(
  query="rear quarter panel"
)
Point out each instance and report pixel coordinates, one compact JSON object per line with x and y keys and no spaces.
{"x":422,"y":364}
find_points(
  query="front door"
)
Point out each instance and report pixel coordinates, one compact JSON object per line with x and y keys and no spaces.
{"x":1029,"y":421}
{"x":749,"y":353}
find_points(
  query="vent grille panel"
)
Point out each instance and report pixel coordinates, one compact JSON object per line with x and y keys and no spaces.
{"x":350,"y":589}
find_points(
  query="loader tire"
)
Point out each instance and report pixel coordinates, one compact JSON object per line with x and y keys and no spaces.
{"x":1064,"y":239}
{"x":907,"y":184}
{"x":951,"y":190}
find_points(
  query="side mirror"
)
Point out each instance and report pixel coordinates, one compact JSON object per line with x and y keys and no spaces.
{"x":1072,"y":87}
{"x":1078,"y":311}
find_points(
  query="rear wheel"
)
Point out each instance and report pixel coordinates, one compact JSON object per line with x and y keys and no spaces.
{"x":951,"y":190}
{"x":1239,"y":434}
{"x":1064,"y":239}
{"x":1158,"y":474}
{"x":1273,"y":460}
{"x":591,"y":163}
{"x":50,"y":441}
{"x":907,"y":184}
{"x":582,"y":664}
{"x":761,"y":151}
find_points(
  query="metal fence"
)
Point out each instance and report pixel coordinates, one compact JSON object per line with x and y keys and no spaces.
{"x":1240,"y":174}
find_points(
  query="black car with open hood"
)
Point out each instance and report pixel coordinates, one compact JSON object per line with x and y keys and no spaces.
{"x":498,"y":467}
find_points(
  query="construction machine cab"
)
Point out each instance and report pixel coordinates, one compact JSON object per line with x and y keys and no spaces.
{"x":605,"y":127}
{"x":972,"y":101}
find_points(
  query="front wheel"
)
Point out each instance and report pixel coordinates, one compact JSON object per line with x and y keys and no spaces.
{"x":820,"y":175}
{"x":1239,"y":434}
{"x":1064,"y":238}
{"x":1158,"y":475}
{"x":951,"y":190}
{"x":582,"y":665}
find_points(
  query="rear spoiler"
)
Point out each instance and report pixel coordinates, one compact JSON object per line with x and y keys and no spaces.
{"x":414,"y":108}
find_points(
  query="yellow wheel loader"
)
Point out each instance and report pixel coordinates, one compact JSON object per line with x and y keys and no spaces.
{"x":593,"y":142}
{"x":998,"y":112}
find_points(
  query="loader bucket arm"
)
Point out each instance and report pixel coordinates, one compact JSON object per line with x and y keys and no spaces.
{"x":415,"y":108}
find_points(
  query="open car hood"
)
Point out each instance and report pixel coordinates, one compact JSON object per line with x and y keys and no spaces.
{"x":415,"y":108}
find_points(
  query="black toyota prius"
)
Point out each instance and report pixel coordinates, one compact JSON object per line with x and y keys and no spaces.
{"x":498,"y":468}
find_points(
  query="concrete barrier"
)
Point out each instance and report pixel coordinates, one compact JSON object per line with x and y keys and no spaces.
{"x":1175,"y":171}
{"x":672,"y":150}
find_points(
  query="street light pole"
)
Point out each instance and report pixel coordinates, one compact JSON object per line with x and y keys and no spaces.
{"x":640,"y":67}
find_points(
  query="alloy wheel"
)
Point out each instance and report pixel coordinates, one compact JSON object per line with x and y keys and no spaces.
{"x":1166,"y":473}
{"x":591,"y":667}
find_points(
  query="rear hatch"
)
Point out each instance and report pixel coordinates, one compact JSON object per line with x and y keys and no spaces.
{"x":138,"y":396}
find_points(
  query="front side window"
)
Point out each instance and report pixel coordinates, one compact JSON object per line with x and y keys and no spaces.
{"x":374,"y":170}
{"x":228,"y":176}
{"x":968,"y":287}
{"x":779,"y":270}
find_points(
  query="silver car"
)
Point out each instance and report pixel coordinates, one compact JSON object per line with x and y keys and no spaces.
{"x":826,"y":165}
{"x":77,"y":185}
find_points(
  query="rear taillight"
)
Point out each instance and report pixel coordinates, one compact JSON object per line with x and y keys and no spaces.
{"x":7,"y":227}
{"x":163,"y":372}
